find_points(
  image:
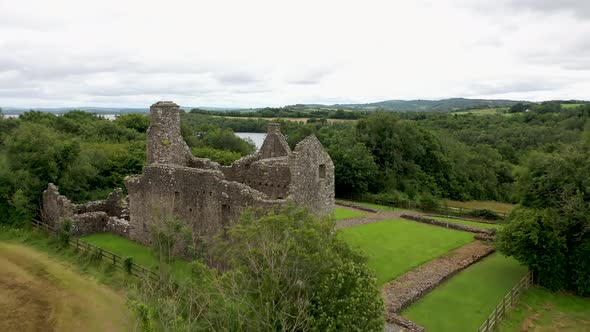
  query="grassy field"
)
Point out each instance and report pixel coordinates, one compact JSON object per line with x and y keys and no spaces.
{"x":344,"y":213}
{"x":465,"y":301}
{"x":302,"y":120}
{"x":566,"y":106}
{"x":541,"y":310}
{"x":484,"y":111}
{"x":141,"y":254}
{"x":468,"y":223}
{"x":490,"y":205}
{"x":372,"y":206}
{"x":38,"y":293}
{"x":397,"y":246}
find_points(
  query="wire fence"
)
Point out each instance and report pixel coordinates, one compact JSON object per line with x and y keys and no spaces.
{"x":507,"y":302}
{"x":123,"y":263}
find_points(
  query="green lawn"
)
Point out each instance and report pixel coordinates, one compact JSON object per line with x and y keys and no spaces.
{"x":566,"y":106}
{"x":484,"y":111}
{"x":467,"y":222}
{"x":373,"y":206}
{"x":344,"y":213}
{"x":397,"y":246}
{"x":490,"y":205}
{"x":464,"y":302}
{"x":541,"y":310}
{"x":141,"y":254}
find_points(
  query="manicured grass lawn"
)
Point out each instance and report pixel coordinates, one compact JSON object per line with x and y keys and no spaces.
{"x":541,"y":310}
{"x":397,"y":246}
{"x":344,"y":213}
{"x":465,"y":301}
{"x":490,"y":205}
{"x":373,"y":206}
{"x":468,"y":223}
{"x":141,"y":254}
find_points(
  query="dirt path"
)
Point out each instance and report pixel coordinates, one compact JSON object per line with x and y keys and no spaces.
{"x":38,"y":293}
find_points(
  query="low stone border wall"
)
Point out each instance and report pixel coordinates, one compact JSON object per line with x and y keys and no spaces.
{"x":358,"y":207}
{"x":408,"y":288}
{"x":483,"y":221}
{"x":489,"y":232}
{"x":405,"y":324}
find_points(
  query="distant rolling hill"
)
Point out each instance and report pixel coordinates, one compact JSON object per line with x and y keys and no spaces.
{"x":443,"y":105}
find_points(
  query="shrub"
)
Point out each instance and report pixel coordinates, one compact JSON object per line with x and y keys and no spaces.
{"x":484,"y":213}
{"x":128,"y":264}
{"x":224,"y":157}
{"x":65,"y":232}
{"x":301,"y":275}
{"x":427,"y":202}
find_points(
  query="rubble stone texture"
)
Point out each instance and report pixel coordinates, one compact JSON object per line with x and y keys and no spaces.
{"x":204,"y":196}
{"x":208,"y":197}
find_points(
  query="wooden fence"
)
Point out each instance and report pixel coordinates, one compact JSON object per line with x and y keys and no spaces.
{"x":507,"y":302}
{"x":117,"y":261}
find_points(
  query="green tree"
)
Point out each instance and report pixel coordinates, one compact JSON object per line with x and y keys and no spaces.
{"x":301,"y":275}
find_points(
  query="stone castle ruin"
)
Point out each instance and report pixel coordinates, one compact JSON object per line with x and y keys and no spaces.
{"x":203,"y":195}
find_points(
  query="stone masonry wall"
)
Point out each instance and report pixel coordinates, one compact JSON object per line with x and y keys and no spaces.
{"x":206,"y":197}
{"x":98,"y":216}
{"x":201,"y":199}
{"x":270,"y":176}
{"x":312,"y":177}
{"x":165,"y":144}
{"x":55,"y":206}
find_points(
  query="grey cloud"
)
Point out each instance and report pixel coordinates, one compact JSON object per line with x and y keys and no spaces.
{"x":532,"y":84}
{"x":236,"y":78}
{"x":579,"y":8}
{"x":310,"y":77}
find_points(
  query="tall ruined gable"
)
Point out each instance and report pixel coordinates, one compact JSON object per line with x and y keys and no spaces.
{"x":312,"y":177}
{"x":275,"y":144}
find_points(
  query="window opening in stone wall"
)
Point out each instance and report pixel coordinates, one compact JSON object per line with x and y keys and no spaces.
{"x":322,"y":171}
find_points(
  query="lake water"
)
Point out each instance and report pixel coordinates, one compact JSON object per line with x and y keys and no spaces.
{"x":257,"y":138}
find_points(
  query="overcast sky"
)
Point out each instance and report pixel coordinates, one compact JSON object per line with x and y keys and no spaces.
{"x":252,"y":53}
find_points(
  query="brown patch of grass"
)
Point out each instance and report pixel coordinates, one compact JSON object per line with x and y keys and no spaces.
{"x":38,"y":293}
{"x":490,"y":205}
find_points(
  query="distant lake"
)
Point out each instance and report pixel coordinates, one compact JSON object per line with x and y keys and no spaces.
{"x":257,"y":138}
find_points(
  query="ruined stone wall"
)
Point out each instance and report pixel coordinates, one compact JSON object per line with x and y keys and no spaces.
{"x":204,"y":196}
{"x":312,"y":177}
{"x":275,"y":144}
{"x":93,"y":217}
{"x":165,"y":144}
{"x":56,"y":206}
{"x":269,"y":176}
{"x":201,"y":199}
